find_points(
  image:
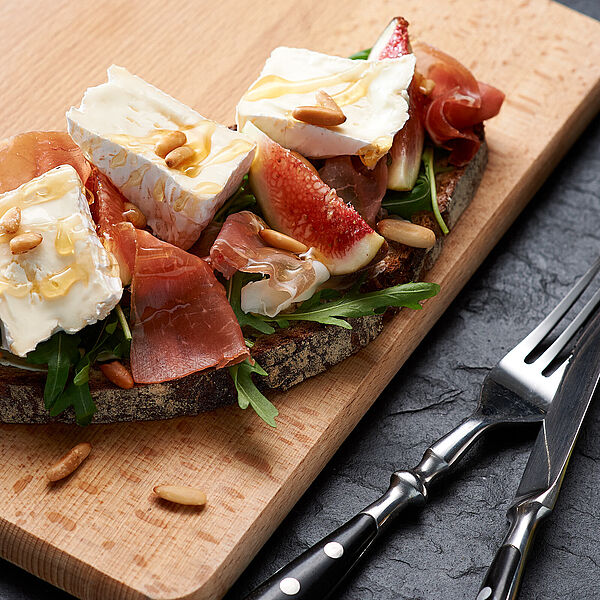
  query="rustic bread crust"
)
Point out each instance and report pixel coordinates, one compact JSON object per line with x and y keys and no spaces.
{"x":289,"y":356}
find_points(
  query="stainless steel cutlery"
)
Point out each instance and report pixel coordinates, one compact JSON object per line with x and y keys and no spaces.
{"x":543,"y":476}
{"x":519,"y":389}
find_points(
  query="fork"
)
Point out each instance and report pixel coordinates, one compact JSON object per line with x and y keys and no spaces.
{"x":519,"y":389}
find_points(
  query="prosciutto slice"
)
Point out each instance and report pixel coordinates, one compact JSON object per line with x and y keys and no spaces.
{"x":457,"y":103}
{"x":181,"y":319}
{"x":119,"y":236}
{"x":356,"y":184}
{"x":239,"y":247}
{"x":29,"y":155}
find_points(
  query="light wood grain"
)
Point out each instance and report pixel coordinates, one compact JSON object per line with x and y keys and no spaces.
{"x":102,"y":533}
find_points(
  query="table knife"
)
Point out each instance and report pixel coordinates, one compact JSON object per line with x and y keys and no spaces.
{"x":545,"y":470}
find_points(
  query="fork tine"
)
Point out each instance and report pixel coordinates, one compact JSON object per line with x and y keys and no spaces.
{"x":563,"y":339}
{"x":548,"y":324}
{"x":554,"y":379}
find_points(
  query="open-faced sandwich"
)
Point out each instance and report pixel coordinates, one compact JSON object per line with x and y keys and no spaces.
{"x":154,"y":261}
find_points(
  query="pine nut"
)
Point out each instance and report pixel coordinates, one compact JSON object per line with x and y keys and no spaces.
{"x":275,"y":239}
{"x":305,"y":161}
{"x":25,"y":242}
{"x":169,"y":142}
{"x":181,"y":494}
{"x":116,"y":373}
{"x":69,"y":462}
{"x":11,"y":220}
{"x":178,"y":156}
{"x":324,"y":99}
{"x":134,"y":215}
{"x":321,"y":116}
{"x":407,"y":233}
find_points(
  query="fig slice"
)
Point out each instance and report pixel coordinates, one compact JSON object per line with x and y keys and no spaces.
{"x":407,"y":149}
{"x":393,"y":41}
{"x":295,"y":201}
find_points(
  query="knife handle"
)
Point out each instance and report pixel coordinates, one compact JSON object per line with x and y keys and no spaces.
{"x":317,"y":572}
{"x":504,"y":575}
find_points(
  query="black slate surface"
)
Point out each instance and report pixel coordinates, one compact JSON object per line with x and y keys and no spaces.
{"x":443,"y":551}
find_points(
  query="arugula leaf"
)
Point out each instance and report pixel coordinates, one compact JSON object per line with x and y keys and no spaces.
{"x":46,"y":349}
{"x":82,"y":368}
{"x":361,"y":54}
{"x":243,"y":199}
{"x":317,"y":297}
{"x":356,"y":304}
{"x":58,"y":352}
{"x":249,"y":394}
{"x":423,"y":196}
{"x":112,"y":340}
{"x":106,"y":340}
{"x":245,"y":319}
{"x":405,"y":204}
{"x":80,"y":398}
{"x":123,"y":323}
{"x":430,"y":170}
{"x":329,"y":308}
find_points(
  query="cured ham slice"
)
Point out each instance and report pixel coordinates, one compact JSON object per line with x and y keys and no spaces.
{"x":356,"y":184}
{"x":29,"y":155}
{"x":118,"y":235}
{"x":239,"y":247}
{"x":457,"y":103}
{"x":181,"y":319}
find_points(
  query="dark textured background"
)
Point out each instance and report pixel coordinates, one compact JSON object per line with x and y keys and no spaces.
{"x":443,"y":552}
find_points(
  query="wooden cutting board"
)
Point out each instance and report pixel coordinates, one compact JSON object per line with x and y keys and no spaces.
{"x":102,"y":533}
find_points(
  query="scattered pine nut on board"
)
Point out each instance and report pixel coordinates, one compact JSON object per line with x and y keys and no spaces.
{"x":69,"y":462}
{"x":102,"y":534}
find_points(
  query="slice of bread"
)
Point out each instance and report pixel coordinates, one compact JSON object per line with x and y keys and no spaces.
{"x":289,"y":356}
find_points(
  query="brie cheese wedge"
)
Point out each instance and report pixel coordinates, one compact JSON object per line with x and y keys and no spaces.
{"x":118,"y":126}
{"x":372,"y":94}
{"x":65,"y":283}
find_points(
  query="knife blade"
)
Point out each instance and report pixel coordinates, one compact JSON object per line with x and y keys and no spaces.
{"x":540,"y":485}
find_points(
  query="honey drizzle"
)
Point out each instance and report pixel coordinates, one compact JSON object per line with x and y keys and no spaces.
{"x":58,"y":284}
{"x":201,"y":142}
{"x":230,"y":152}
{"x":67,"y":232}
{"x":359,"y":78}
{"x":207,"y":187}
{"x":50,"y":287}
{"x":37,"y":192}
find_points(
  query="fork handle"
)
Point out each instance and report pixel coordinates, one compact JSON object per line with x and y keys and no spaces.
{"x":316,"y":573}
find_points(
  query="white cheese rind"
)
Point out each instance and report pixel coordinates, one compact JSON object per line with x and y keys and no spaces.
{"x":117,"y":127}
{"x":372,"y":119}
{"x":69,"y":280}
